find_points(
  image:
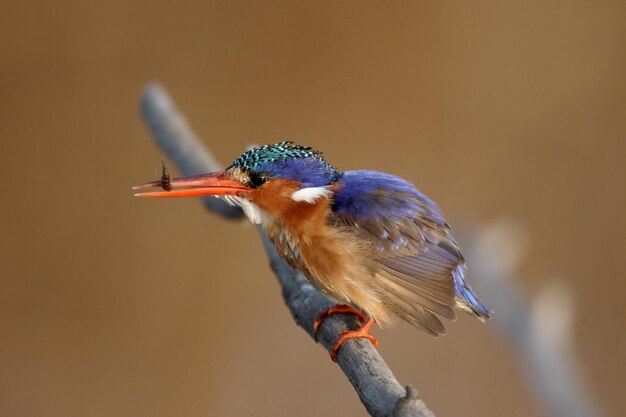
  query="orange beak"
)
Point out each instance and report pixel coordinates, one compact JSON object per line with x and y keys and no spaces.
{"x":201,"y":185}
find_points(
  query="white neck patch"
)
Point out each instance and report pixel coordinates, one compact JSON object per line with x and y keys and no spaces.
{"x":311,"y":194}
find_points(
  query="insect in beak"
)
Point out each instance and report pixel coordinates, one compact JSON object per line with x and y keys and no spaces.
{"x":212,"y":184}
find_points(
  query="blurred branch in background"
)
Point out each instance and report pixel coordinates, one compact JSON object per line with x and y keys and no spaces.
{"x":372,"y":379}
{"x":539,"y":330}
{"x":175,"y":137}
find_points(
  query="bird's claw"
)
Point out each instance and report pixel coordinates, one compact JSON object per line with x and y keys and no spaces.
{"x":338,"y":309}
{"x":361,"y":332}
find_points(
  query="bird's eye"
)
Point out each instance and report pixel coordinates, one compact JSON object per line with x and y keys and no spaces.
{"x":256,"y":180}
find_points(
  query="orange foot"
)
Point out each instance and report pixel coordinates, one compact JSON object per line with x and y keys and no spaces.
{"x":361,"y":332}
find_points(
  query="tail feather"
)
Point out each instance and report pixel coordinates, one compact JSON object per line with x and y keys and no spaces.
{"x":466,"y":298}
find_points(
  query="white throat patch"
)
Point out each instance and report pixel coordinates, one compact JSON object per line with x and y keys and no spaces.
{"x":253,"y":212}
{"x":311,"y":194}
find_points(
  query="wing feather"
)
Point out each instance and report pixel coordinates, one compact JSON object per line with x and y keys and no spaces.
{"x":415,"y":258}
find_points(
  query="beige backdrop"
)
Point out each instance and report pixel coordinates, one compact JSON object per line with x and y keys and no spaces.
{"x":110,"y":306}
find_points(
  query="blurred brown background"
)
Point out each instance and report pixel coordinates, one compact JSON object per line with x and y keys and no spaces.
{"x":110,"y":306}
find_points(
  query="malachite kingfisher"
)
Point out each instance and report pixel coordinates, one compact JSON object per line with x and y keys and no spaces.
{"x":370,"y":241}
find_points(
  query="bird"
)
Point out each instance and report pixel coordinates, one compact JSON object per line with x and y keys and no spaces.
{"x":370,"y":241}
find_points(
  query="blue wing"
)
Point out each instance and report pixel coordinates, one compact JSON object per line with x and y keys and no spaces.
{"x":419,"y":266}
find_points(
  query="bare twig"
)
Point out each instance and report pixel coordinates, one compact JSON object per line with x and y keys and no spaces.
{"x":538,"y":330}
{"x":372,"y":379}
{"x":175,"y":137}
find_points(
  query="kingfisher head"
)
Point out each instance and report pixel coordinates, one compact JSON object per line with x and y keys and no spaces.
{"x":268,"y":179}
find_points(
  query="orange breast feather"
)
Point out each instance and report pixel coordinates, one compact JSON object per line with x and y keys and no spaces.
{"x":332,"y":259}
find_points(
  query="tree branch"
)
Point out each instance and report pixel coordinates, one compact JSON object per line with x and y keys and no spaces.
{"x":538,"y":329}
{"x":378,"y":389}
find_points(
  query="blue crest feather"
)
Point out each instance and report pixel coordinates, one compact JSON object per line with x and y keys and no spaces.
{"x":289,"y":161}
